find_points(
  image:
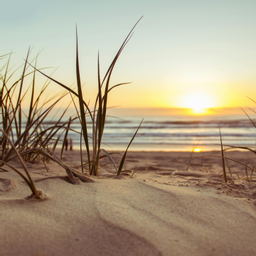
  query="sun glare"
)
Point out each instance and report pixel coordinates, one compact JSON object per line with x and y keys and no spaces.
{"x":198,"y":103}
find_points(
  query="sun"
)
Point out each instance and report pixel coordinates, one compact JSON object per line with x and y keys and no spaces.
{"x":198,"y":103}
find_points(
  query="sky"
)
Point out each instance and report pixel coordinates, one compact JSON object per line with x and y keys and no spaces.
{"x":183,"y":54}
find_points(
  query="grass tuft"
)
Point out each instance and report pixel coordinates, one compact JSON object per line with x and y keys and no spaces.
{"x":37,"y":141}
{"x":99,"y":113}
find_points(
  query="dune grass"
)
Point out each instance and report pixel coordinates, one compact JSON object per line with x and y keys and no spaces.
{"x":34,"y":140}
{"x":99,"y":112}
{"x":27,"y":142}
{"x":249,"y":166}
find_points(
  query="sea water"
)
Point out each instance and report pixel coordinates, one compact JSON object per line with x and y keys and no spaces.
{"x":173,"y":133}
{"x":169,"y":133}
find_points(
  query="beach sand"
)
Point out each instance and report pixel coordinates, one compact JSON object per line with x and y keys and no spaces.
{"x":165,"y":208}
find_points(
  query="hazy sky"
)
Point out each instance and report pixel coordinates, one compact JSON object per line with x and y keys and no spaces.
{"x":180,"y":48}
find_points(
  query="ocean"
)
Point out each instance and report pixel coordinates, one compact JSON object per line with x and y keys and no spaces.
{"x":170,"y":133}
{"x":174,"y":133}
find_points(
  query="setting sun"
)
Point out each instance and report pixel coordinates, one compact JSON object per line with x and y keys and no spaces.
{"x":198,"y":103}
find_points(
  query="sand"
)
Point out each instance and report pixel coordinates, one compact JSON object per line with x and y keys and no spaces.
{"x":165,"y":208}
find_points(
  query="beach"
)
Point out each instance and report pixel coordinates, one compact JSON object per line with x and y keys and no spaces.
{"x":164,"y":203}
{"x":128,"y":128}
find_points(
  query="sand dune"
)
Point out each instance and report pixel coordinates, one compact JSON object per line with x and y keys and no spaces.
{"x":164,"y":209}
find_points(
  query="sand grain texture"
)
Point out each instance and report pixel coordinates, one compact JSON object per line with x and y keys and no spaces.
{"x":157,"y":212}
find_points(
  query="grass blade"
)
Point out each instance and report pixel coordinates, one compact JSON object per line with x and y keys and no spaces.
{"x":65,"y":138}
{"x":81,"y":105}
{"x":31,"y":183}
{"x":43,"y":115}
{"x":124,"y":156}
{"x":110,"y":158}
{"x":223,"y":158}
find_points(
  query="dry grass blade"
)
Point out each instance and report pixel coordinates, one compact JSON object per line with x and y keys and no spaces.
{"x":110,"y":158}
{"x":102,"y":100}
{"x":99,"y":123}
{"x":252,"y":170}
{"x":249,"y":117}
{"x":191,"y":154}
{"x":223,"y":158}
{"x":29,"y":181}
{"x":229,"y":169}
{"x":19,"y":96}
{"x":99,"y":113}
{"x":30,"y":112}
{"x":36,"y":121}
{"x":17,"y":171}
{"x":251,"y":99}
{"x":1,"y":97}
{"x":81,"y":135}
{"x":8,"y":110}
{"x":246,"y":165}
{"x":81,"y":151}
{"x":64,"y":86}
{"x":120,"y":50}
{"x":65,"y":138}
{"x":124,"y":156}
{"x":232,"y":159}
{"x":72,"y":174}
{"x":81,"y":105}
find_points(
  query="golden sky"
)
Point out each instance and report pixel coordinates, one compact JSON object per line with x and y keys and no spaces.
{"x":196,"y":54}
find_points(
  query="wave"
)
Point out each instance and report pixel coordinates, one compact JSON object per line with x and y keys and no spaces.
{"x":158,"y":131}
